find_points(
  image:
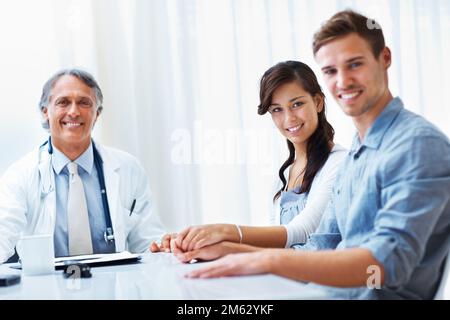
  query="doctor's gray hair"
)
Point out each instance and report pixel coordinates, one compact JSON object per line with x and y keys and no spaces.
{"x":82,"y":75}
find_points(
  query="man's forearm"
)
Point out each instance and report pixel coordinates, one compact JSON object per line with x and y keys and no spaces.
{"x":340,"y":268}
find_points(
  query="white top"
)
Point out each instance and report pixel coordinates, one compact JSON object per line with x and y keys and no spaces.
{"x":306,"y":222}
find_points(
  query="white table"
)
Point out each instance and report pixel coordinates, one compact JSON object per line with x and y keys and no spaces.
{"x":157,"y":276}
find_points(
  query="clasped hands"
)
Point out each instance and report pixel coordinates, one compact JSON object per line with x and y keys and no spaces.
{"x":214,"y":241}
{"x":205,"y":242}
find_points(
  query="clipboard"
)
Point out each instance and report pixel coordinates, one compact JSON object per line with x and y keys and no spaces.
{"x":93,"y":260}
{"x":99,"y":260}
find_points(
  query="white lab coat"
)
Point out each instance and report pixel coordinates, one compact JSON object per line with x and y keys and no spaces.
{"x":28,"y":200}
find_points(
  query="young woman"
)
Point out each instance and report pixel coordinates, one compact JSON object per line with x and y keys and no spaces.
{"x":291,"y":94}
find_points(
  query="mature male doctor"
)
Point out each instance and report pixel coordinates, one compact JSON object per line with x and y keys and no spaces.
{"x":91,"y":198}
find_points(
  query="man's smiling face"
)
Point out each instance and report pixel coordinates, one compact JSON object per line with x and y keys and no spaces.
{"x":354,"y":76}
{"x":71,"y":113}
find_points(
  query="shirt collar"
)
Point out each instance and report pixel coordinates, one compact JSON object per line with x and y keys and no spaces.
{"x":375,"y":134}
{"x":85,"y":160}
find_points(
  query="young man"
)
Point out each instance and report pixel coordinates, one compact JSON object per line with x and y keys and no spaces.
{"x":92,"y":198}
{"x":388,"y":224}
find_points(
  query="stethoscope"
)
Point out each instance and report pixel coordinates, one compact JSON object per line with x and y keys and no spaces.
{"x":98,"y":162}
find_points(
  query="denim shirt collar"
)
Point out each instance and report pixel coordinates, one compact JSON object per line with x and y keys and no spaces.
{"x":85,"y":160}
{"x":375,"y":134}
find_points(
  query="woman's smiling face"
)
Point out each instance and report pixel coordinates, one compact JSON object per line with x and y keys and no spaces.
{"x":295,"y":112}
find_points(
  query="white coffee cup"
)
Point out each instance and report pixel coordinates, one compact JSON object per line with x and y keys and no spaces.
{"x":36,"y":254}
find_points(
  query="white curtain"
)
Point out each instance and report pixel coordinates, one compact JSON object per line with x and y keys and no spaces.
{"x":181,"y":85}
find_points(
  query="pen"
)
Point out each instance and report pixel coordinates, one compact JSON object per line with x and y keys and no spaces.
{"x":132,"y":206}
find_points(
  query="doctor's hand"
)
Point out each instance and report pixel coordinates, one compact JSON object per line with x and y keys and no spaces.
{"x":165,"y":243}
{"x":196,"y":237}
{"x":236,"y":264}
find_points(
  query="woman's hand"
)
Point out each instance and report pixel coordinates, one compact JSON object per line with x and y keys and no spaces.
{"x":207,"y":253}
{"x":197,"y":237}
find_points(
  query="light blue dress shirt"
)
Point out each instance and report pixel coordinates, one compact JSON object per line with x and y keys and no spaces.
{"x":89,"y":176}
{"x":392,"y":197}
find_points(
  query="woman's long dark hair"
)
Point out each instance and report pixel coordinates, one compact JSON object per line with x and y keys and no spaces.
{"x":319,"y":144}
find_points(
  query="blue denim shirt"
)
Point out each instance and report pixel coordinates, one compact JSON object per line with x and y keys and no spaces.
{"x":291,"y":204}
{"x":392,"y":197}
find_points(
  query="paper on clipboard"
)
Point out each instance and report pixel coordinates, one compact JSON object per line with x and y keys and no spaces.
{"x":102,"y":259}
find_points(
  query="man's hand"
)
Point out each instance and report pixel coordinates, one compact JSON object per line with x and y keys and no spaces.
{"x":234,"y":265}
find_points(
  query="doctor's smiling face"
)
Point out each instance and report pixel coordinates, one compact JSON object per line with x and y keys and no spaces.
{"x":71,"y":114}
